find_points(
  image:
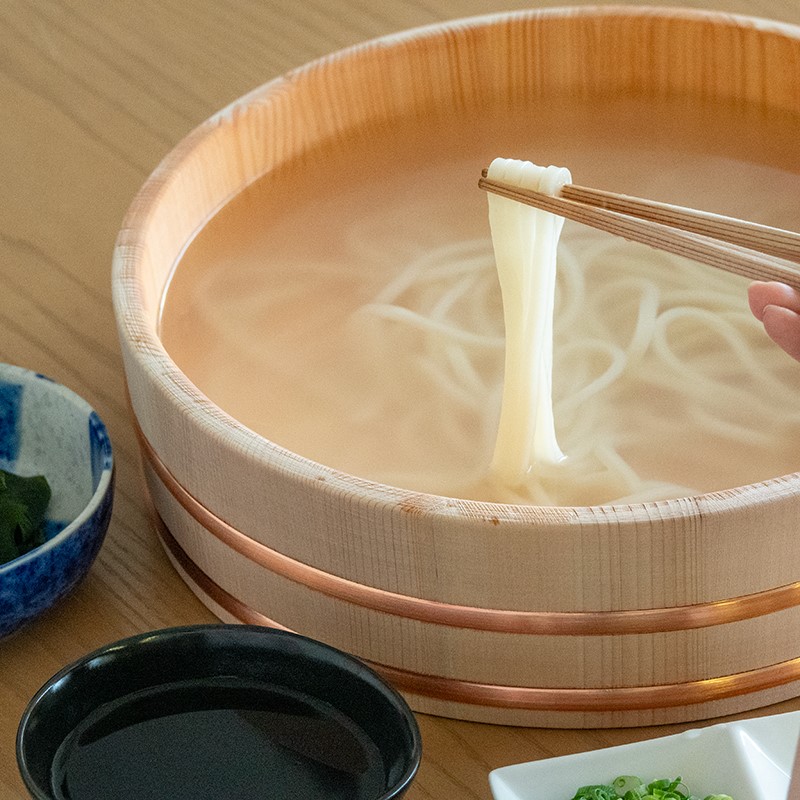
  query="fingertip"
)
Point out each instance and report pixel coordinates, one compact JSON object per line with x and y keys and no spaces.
{"x":783,"y":327}
{"x":763,"y":293}
{"x":758,"y":297}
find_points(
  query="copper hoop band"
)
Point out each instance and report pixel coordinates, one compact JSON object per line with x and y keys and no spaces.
{"x":630,"y":698}
{"x":551,"y":623}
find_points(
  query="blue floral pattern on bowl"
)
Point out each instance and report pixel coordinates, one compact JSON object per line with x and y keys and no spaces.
{"x":46,"y":429}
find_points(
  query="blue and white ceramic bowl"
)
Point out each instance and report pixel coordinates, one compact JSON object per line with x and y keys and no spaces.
{"x":46,"y":429}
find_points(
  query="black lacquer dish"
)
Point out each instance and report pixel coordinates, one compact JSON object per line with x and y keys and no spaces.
{"x":217,"y":711}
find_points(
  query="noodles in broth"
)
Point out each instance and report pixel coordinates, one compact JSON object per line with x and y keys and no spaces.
{"x":363,"y":328}
{"x":691,"y":360}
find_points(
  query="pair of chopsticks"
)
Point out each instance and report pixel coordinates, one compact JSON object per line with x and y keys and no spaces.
{"x":754,"y":251}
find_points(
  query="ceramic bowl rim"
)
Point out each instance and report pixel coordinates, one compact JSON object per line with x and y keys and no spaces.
{"x":103,"y":485}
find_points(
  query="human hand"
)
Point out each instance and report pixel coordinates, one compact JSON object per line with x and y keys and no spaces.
{"x":777,"y":306}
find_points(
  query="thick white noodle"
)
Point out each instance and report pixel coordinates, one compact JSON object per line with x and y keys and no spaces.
{"x":525,"y":245}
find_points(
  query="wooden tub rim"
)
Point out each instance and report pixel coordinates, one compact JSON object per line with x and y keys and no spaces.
{"x":145,"y":344}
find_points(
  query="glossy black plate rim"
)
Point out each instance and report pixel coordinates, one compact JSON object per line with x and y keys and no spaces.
{"x":216,"y":637}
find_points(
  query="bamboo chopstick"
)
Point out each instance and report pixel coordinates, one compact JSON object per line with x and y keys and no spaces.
{"x":757,"y":252}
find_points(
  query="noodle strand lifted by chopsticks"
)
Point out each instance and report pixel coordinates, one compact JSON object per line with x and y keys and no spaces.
{"x":525,"y":241}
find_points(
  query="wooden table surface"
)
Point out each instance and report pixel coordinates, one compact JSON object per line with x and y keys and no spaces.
{"x":93,"y":93}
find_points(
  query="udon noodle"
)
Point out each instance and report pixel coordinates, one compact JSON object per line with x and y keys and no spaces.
{"x":644,"y":361}
{"x":525,"y":242}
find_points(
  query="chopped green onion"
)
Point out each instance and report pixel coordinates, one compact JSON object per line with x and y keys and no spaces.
{"x":631,"y":787}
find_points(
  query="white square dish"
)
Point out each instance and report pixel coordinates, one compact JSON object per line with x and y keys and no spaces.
{"x":750,"y":760}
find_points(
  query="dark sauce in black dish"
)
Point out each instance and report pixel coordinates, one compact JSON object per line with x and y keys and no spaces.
{"x":217,"y":712}
{"x":217,"y":738}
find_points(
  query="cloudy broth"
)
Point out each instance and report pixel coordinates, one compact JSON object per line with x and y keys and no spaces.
{"x":264,"y":312}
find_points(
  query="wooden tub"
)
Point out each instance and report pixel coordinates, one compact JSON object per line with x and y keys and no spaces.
{"x":592,"y":616}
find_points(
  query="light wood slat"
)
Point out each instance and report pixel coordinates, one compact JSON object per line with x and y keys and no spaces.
{"x":762,"y":238}
{"x":656,"y":233}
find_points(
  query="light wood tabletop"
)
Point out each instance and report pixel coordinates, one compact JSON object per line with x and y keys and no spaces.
{"x":93,"y":93}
